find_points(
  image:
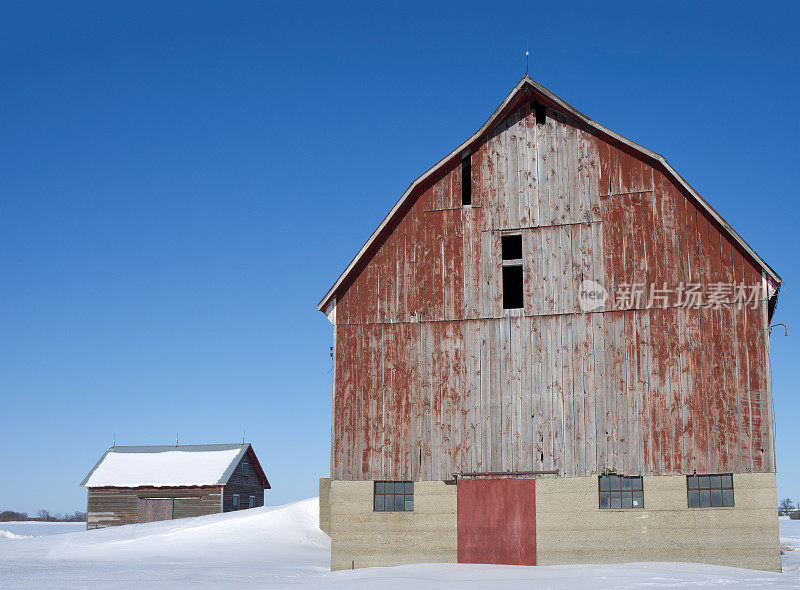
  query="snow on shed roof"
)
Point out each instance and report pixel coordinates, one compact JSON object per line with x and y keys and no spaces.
{"x":168,"y":466}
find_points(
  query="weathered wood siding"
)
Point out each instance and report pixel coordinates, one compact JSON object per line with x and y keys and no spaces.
{"x":244,"y":485}
{"x":117,"y":506}
{"x":433,"y":377}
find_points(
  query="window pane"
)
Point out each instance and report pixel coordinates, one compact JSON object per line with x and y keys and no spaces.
{"x":727,"y":497}
{"x":694,"y":499}
{"x":715,"y":482}
{"x":614,"y":482}
{"x":727,"y":481}
{"x":705,"y":498}
{"x":409,"y":487}
{"x":626,"y":483}
{"x":616,"y":501}
{"x":409,"y":502}
{"x":716,"y":497}
{"x":638,"y":499}
{"x":636,"y":483}
{"x":605,"y":483}
{"x":605,"y":500}
{"x":691,"y":482}
{"x":627,"y":500}
{"x":399,"y":502}
{"x":378,"y":487}
{"x":703,"y":481}
{"x":379,"y":503}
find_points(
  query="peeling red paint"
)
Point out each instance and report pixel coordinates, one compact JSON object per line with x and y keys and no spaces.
{"x":432,"y":377}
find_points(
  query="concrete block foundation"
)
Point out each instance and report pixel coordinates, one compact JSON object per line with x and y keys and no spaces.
{"x":361,"y":537}
{"x":570,"y":527}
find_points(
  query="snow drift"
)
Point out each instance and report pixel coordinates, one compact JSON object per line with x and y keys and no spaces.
{"x":261,"y":535}
{"x":282,"y":547}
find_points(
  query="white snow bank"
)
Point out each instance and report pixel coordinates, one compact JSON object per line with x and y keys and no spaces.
{"x":258,"y":535}
{"x":9,"y":535}
{"x":789,"y":531}
{"x":35,"y":528}
{"x":282,"y":547}
{"x":167,"y":468}
{"x":790,"y":544}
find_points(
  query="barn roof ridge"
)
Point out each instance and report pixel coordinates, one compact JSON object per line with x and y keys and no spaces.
{"x":527,"y":81}
{"x":163,"y":448}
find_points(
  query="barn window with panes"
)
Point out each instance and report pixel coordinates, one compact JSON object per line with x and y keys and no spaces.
{"x":621,"y":491}
{"x":709,"y":491}
{"x":244,"y":469}
{"x":236,"y":500}
{"x":394,"y":496}
{"x":466,"y":179}
{"x":511,"y":247}
{"x":252,"y":501}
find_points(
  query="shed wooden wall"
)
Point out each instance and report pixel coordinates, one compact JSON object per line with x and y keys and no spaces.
{"x":433,"y":377}
{"x":117,"y":506}
{"x":244,"y":485}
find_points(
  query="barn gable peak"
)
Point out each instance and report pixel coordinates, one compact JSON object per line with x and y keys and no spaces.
{"x":529,"y":90}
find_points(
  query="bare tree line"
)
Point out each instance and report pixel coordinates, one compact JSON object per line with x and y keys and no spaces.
{"x":786,"y":506}
{"x":42,"y":516}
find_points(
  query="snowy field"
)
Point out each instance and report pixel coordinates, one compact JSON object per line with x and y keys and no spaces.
{"x":281,"y":547}
{"x":38,"y":529}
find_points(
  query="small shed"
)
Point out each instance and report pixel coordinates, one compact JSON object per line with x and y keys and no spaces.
{"x":134,"y":484}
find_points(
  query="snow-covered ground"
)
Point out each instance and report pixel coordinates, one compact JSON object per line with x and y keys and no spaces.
{"x":32,"y":528}
{"x":281,"y":547}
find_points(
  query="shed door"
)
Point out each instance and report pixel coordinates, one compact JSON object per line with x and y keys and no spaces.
{"x":155,"y":509}
{"x":497,"y":521}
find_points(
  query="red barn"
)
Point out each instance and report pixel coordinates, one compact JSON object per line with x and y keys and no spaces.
{"x":552,"y":350}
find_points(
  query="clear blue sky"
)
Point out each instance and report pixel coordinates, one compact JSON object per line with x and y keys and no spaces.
{"x":181,"y":182}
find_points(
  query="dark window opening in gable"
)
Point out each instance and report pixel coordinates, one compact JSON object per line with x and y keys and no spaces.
{"x":541,"y":114}
{"x":511,"y":250}
{"x":466,"y":180}
{"x":512,"y":287}
{"x":511,"y":247}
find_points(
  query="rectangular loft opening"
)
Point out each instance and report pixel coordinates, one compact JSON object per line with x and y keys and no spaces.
{"x":512,"y":287}
{"x":541,"y":114}
{"x":511,"y":247}
{"x":466,"y":180}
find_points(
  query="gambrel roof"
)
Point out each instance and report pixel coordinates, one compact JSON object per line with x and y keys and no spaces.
{"x":542,"y":94}
{"x":170,"y":466}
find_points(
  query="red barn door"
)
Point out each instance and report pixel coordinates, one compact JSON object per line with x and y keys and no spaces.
{"x":497,"y":521}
